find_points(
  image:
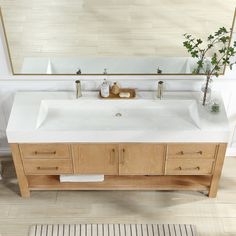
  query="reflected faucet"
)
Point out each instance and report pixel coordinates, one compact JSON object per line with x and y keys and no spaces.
{"x":160,"y":89}
{"x":79,"y":72}
{"x":159,"y":71}
{"x":78,"y":89}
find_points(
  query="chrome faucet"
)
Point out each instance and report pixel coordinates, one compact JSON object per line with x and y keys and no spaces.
{"x":78,"y":89}
{"x":160,"y":89}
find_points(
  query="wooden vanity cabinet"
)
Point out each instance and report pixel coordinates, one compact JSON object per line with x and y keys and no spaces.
{"x":192,"y":150}
{"x":191,"y":159}
{"x":126,"y":166}
{"x":141,"y":159}
{"x":48,"y":167}
{"x":46,"y":159}
{"x":96,"y":159}
{"x":189,"y":167}
{"x":119,"y":159}
{"x":48,"y":151}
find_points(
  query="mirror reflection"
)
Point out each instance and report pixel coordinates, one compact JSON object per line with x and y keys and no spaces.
{"x":113,"y":37}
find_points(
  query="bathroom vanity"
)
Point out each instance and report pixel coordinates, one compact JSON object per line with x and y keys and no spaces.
{"x":139,"y":144}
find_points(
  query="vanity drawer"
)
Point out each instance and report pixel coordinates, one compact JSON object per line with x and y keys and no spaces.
{"x":191,"y":150}
{"x":45,"y":151}
{"x":47,"y":167}
{"x":190,"y":167}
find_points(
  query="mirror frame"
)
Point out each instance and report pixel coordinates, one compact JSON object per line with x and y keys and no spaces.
{"x":109,"y":74}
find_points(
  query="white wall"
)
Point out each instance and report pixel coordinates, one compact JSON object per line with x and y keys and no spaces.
{"x":9,"y":84}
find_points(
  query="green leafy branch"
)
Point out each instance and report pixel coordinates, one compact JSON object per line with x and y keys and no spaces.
{"x":220,"y":57}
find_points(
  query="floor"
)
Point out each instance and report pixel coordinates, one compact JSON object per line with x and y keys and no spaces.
{"x":213,"y":217}
{"x":108,"y":28}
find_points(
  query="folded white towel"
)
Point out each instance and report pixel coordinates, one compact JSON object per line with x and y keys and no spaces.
{"x":81,"y":178}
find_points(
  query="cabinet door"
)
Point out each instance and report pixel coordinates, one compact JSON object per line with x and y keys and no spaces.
{"x":96,"y":159}
{"x":141,"y":159}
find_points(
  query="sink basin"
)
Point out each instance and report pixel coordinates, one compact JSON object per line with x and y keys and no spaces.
{"x":118,"y":115}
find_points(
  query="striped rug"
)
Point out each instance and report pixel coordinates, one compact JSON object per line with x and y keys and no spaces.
{"x":113,"y":230}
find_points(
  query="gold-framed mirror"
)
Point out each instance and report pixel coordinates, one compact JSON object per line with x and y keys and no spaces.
{"x":89,"y":37}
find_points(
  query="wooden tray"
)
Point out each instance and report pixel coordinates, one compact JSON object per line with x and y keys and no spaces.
{"x":116,"y":96}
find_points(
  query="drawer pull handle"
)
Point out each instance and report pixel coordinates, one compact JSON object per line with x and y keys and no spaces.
{"x":47,"y":168}
{"x":123,"y":157}
{"x":194,"y":168}
{"x":189,"y":153}
{"x":45,"y":153}
{"x":113,"y":156}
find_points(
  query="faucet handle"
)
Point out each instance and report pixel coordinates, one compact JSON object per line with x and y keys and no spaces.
{"x":78,"y":89}
{"x":160,"y":89}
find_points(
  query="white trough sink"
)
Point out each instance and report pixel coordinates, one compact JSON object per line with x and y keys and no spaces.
{"x":103,"y":115}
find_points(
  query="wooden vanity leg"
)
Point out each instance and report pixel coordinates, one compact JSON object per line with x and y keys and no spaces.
{"x":218,"y":169}
{"x":22,"y":179}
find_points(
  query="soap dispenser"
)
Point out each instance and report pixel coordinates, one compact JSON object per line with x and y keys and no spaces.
{"x":105,"y":89}
{"x":115,"y":89}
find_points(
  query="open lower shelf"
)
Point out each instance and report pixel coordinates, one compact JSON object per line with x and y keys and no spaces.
{"x":189,"y":182}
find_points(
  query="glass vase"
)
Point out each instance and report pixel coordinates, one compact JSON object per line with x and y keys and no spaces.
{"x":206,"y":91}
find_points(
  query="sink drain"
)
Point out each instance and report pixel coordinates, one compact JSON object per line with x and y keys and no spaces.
{"x":118,"y":114}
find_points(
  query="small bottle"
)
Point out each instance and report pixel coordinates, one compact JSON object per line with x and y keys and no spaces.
{"x":105,"y":89}
{"x":115,"y":89}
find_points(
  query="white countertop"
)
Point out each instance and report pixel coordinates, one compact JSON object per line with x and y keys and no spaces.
{"x":23,"y":123}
